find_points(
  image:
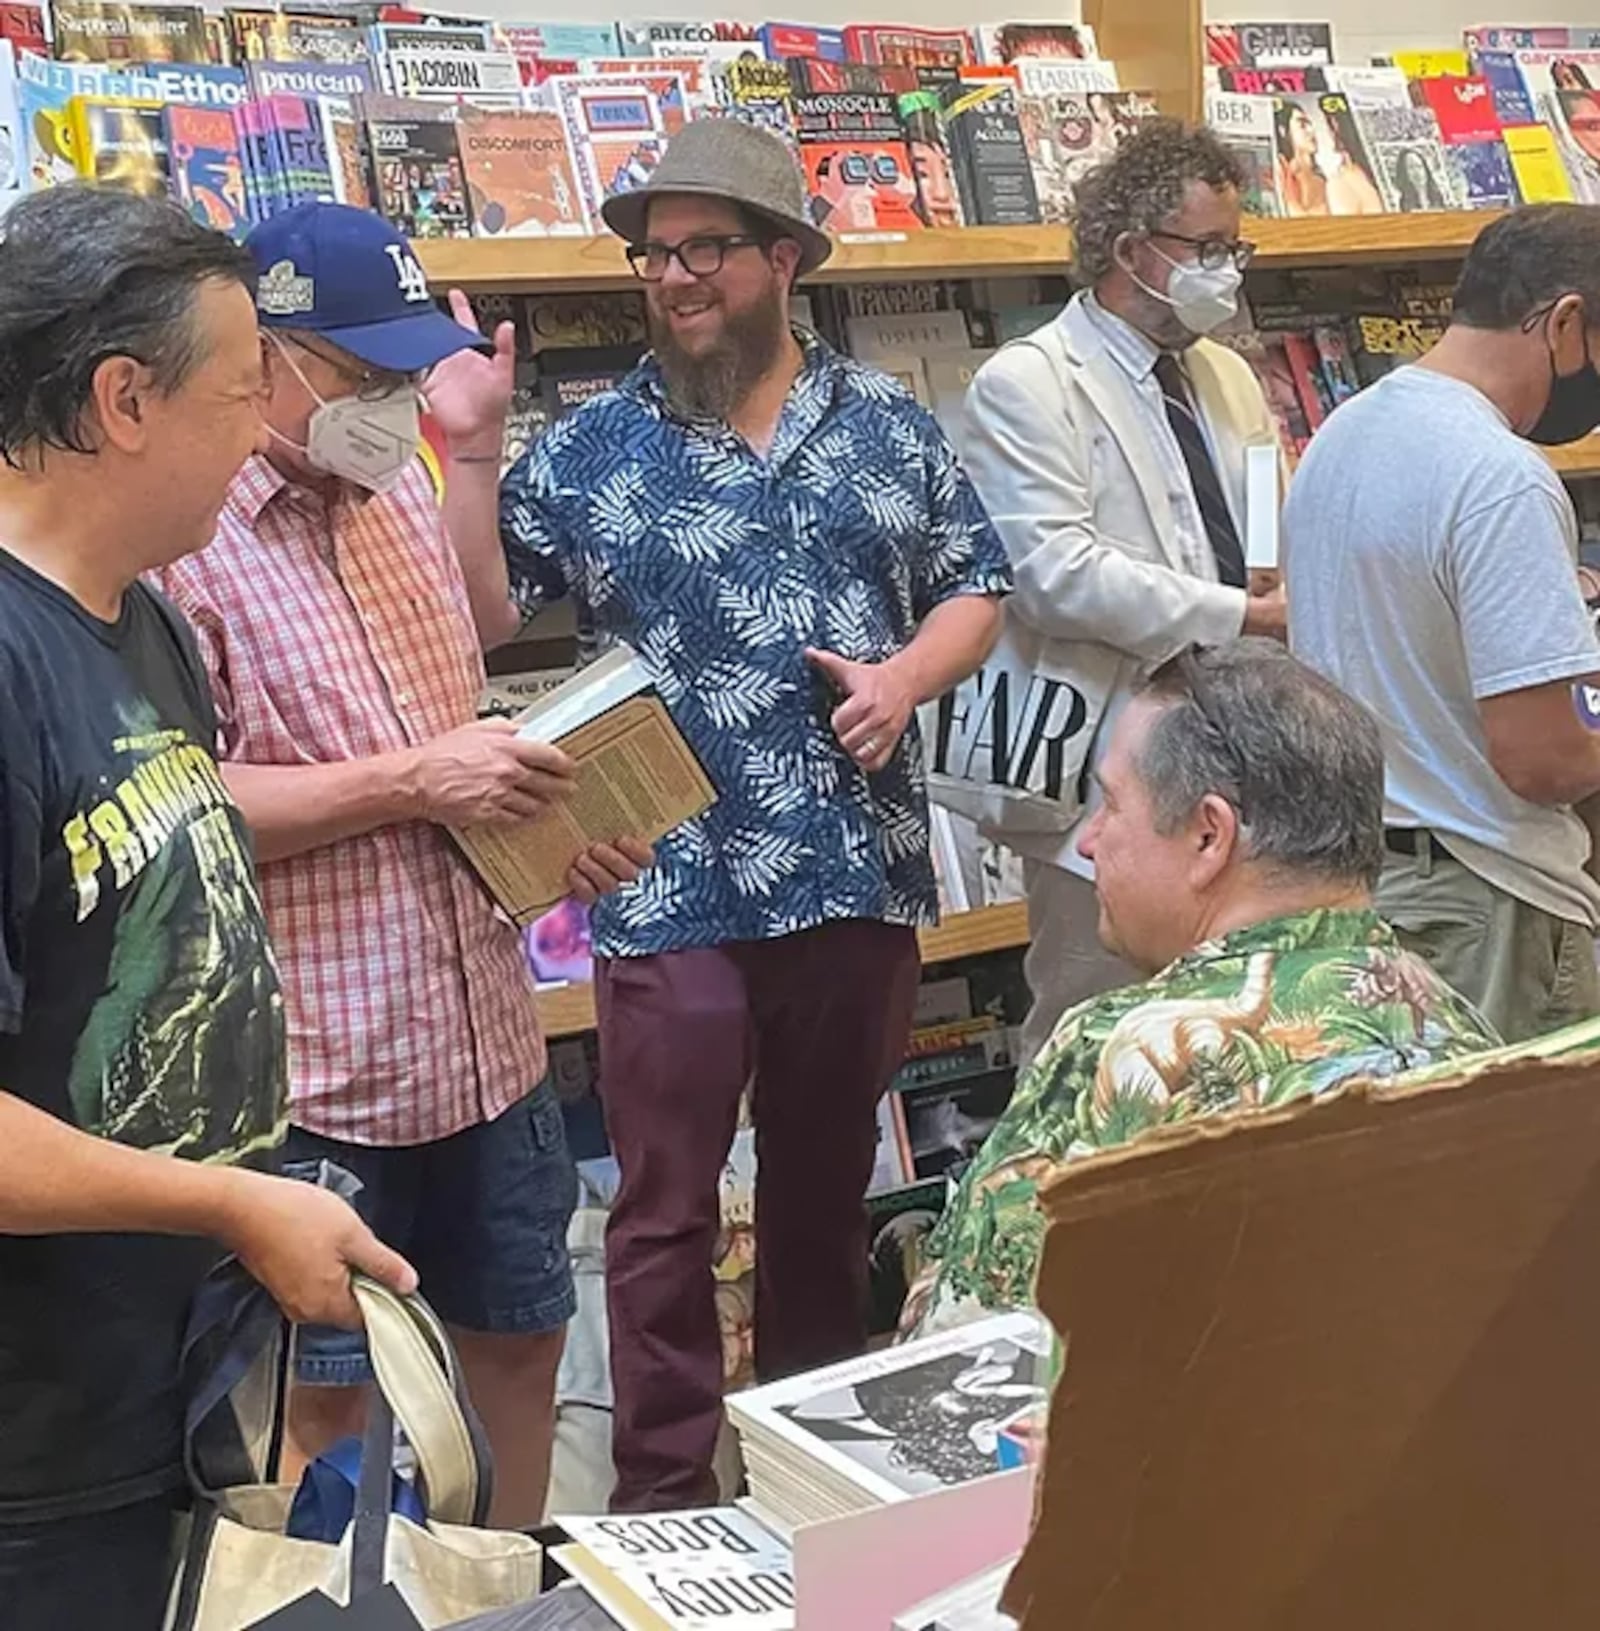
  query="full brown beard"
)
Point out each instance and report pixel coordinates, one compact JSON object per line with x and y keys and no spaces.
{"x":711,"y":384}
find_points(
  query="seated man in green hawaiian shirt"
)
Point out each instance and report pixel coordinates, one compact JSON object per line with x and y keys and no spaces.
{"x":1235,"y":854}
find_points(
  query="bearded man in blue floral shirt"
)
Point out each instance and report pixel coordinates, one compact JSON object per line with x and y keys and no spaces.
{"x":787,"y":539}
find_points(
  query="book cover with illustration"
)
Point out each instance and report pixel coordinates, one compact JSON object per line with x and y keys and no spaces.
{"x":121,"y":142}
{"x":118,"y":31}
{"x":1246,"y":127}
{"x":292,"y":34}
{"x":1026,"y":42}
{"x":1269,"y":45}
{"x":23,"y":26}
{"x":1561,"y":85}
{"x":447,"y":75}
{"x":785,"y":40}
{"x":416,"y":165}
{"x":1408,"y":159}
{"x":760,"y":92}
{"x":984,"y":130}
{"x":1323,"y":164}
{"x":13,"y":144}
{"x":299,"y":150}
{"x":665,"y":37}
{"x":615,"y":133}
{"x":1064,"y":76}
{"x":924,"y":97}
{"x":1432,"y":64}
{"x":347,"y":153}
{"x":265,"y":77}
{"x":1288,"y":81}
{"x":904,"y":1421}
{"x":1512,"y":103}
{"x":857,"y":165}
{"x":1068,"y":135}
{"x":885,"y":44}
{"x":519,"y":173}
{"x":680,"y":85}
{"x":1474,"y":143}
{"x":208,"y":167}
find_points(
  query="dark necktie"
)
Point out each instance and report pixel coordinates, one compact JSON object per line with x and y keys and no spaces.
{"x":1202,"y":472}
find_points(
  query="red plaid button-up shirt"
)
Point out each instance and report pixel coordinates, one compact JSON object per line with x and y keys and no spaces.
{"x":333,"y":633}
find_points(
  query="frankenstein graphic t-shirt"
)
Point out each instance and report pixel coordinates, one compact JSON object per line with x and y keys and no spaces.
{"x":138,"y":1001}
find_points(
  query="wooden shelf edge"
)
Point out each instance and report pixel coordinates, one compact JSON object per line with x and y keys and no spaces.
{"x":548,"y":265}
{"x":568,"y":1010}
{"x":1580,"y":458}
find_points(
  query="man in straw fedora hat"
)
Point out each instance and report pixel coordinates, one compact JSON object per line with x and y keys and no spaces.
{"x":786,"y":537}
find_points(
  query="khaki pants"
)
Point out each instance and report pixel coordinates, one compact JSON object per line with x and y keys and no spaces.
{"x":1066,"y":964}
{"x":1528,"y":972}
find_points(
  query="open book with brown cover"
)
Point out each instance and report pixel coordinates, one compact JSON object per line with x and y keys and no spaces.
{"x":637,"y":778}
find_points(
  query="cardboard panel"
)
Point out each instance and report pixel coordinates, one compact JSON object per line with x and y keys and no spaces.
{"x":1332,"y":1367}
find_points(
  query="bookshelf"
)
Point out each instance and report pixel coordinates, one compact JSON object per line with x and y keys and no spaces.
{"x":596,"y":265}
{"x":568,"y":1010}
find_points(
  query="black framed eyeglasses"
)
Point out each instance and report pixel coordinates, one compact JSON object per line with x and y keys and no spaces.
{"x":1212,"y":254}
{"x":700,"y":256}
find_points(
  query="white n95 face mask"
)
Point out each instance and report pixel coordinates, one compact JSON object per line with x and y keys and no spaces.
{"x":367,"y":443}
{"x":1202,"y":299}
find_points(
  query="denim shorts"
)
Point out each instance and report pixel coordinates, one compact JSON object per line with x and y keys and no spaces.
{"x":482,"y":1216}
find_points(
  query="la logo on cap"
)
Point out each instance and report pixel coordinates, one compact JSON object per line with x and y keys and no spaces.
{"x":412,"y":279}
{"x":1587,"y":698}
{"x":283,"y":292}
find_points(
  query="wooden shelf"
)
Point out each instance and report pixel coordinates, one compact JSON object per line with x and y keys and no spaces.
{"x":548,"y":265}
{"x":568,"y":1010}
{"x":1580,"y":458}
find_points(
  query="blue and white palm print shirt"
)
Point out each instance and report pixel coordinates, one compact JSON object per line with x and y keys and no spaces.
{"x":720,"y":567}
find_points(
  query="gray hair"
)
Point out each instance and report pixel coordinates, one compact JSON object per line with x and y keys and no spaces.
{"x":1141,"y":187}
{"x":1300,"y":761}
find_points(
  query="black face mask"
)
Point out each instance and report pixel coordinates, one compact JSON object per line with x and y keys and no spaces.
{"x":1573,"y":406}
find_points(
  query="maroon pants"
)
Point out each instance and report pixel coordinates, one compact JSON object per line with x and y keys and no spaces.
{"x":821,"y":1020}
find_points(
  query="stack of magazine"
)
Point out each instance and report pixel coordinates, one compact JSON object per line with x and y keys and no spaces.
{"x":895,"y":1424}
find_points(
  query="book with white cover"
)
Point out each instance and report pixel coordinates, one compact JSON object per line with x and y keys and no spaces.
{"x":1064,"y":76}
{"x":896,"y":1423}
{"x":883,"y":340}
{"x":709,"y":1569}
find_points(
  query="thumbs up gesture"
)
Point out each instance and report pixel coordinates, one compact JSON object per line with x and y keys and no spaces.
{"x":876,"y":710}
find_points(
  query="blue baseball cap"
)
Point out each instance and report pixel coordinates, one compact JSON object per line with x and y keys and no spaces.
{"x":347,"y":275}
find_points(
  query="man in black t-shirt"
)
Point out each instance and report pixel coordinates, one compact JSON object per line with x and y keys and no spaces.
{"x":140,"y":1018}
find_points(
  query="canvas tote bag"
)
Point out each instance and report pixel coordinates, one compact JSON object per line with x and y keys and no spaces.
{"x":1009,"y":746}
{"x":239,"y":1565}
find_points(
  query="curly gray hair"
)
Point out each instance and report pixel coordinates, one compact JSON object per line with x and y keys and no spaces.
{"x":1141,"y":187}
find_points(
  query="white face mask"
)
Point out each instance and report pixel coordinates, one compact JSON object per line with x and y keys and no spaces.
{"x":368,"y":443}
{"x":1202,"y":300}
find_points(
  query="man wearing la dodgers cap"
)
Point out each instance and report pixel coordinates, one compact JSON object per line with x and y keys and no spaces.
{"x":343,"y":613}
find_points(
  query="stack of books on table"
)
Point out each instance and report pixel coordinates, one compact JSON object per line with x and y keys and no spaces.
{"x":895,"y":1424}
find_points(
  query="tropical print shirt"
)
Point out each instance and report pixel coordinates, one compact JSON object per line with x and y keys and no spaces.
{"x":721,"y":566}
{"x":1283,"y":1009}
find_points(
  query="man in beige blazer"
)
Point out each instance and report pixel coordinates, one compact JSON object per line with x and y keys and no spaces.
{"x":1108,"y":447}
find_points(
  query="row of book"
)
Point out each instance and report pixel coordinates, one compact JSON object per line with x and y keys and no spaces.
{"x":1511,"y":116}
{"x":452,"y":126}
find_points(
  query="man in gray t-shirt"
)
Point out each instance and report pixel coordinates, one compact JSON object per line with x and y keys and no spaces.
{"x":1430,"y":556}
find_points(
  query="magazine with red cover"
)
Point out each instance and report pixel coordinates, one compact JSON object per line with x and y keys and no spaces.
{"x":886,"y":43}
{"x":857,"y":165}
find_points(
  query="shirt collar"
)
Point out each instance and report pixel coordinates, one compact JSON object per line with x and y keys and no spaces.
{"x":1134,"y":353}
{"x":258,"y":482}
{"x":1322,"y":929}
{"x":820,"y":366}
